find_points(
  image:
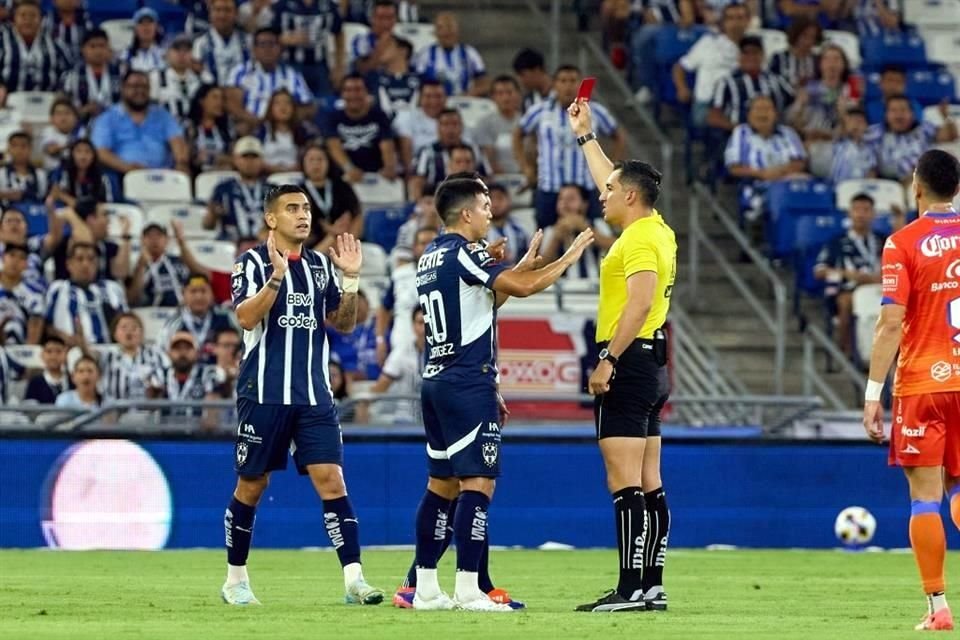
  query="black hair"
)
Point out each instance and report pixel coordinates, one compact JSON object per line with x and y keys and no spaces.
{"x":196,"y":111}
{"x":86,"y":357}
{"x":498,"y":186}
{"x":20,"y":135}
{"x":272,"y":195}
{"x":429,"y":82}
{"x":456,"y":193}
{"x":385,"y":3}
{"x":26,"y":3}
{"x":939,"y":172}
{"x":863,"y":197}
{"x":120,"y":316}
{"x":10,"y":246}
{"x":94,"y":34}
{"x":86,"y":206}
{"x":135,"y":46}
{"x":77,"y":246}
{"x":566,"y":68}
{"x":413,"y":312}
{"x":856,"y":111}
{"x":134,"y":72}
{"x":572,"y":185}
{"x":268,"y":30}
{"x":353,"y":75}
{"x":448,"y":111}
{"x":892,"y":68}
{"x":64,"y":102}
{"x":506,"y":79}
{"x":641,"y":176}
{"x":751,"y":41}
{"x":799,"y":25}
{"x":897,"y":96}
{"x":404,"y":44}
{"x":93,"y":184}
{"x":462,"y":147}
{"x":429,"y":190}
{"x":527,"y":60}
{"x":54,"y":339}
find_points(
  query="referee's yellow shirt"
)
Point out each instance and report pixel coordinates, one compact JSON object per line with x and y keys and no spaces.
{"x":646,"y":245}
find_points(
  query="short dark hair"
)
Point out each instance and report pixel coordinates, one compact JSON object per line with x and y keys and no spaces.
{"x":462,"y":147}
{"x":133,"y":72}
{"x":73,"y":247}
{"x":893,"y":68}
{"x":580,"y":190}
{"x":641,"y":176}
{"x":863,"y":197}
{"x":801,"y":24}
{"x":20,"y":135}
{"x":454,"y":194}
{"x":856,"y":111}
{"x":94,"y":34}
{"x":447,"y":111}
{"x":10,"y":246}
{"x":64,"y":102}
{"x":385,"y":3}
{"x":86,"y":206}
{"x":751,"y":41}
{"x":430,"y":82}
{"x":506,"y":79}
{"x":51,"y":338}
{"x":404,"y":44}
{"x":527,"y":60}
{"x":939,"y":172}
{"x":26,"y":3}
{"x":566,"y":67}
{"x":353,"y":75}
{"x":895,"y":97}
{"x":498,"y":186}
{"x":272,"y":195}
{"x":120,"y":316}
{"x":86,"y":357}
{"x":265,"y":30}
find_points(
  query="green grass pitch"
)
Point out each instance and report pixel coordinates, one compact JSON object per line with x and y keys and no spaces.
{"x":171,"y":595}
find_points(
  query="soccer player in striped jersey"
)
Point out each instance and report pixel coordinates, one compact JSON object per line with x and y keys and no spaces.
{"x":461,"y":283}
{"x":284,"y":294}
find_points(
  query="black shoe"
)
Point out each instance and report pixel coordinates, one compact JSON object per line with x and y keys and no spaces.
{"x":655,"y":600}
{"x":613,"y":602}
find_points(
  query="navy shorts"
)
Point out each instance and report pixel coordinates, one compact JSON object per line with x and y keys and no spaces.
{"x":462,"y":422}
{"x":267,"y":432}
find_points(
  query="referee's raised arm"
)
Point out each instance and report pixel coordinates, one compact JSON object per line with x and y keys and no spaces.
{"x":582,"y":124}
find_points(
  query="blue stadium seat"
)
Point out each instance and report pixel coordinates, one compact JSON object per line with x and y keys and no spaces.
{"x":113,"y":10}
{"x":382,"y":224}
{"x":36,"y":215}
{"x":931,"y":86}
{"x":671,"y":45}
{"x":788,"y":200}
{"x":876,"y":111}
{"x":904,"y":48}
{"x":811,"y":234}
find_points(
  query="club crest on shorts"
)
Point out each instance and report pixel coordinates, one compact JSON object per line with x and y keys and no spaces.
{"x":490,"y":453}
{"x":241,"y":453}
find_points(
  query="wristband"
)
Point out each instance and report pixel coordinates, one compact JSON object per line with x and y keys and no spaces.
{"x":582,"y":140}
{"x":351,"y":284}
{"x":274,"y":284}
{"x":874,"y":389}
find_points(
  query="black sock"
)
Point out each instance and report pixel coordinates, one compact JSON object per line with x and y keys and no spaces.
{"x":411,"y":580}
{"x":470,"y":529}
{"x":238,"y":524}
{"x":631,"y":525}
{"x":343,"y":529}
{"x":655,"y":549}
{"x":483,"y":577}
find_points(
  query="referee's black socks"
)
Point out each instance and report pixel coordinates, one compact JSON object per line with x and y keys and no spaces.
{"x":655,"y":549}
{"x":631,"y":525}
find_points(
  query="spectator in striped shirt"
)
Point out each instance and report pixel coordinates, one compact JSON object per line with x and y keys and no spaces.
{"x":393,"y":85}
{"x":252,"y":83}
{"x":255,"y":14}
{"x":20,"y":181}
{"x":283,"y":134}
{"x":45,"y":387}
{"x":209,"y":131}
{"x":138,"y":135}
{"x":175,"y":85}
{"x":186,"y":377}
{"x":494,"y":132}
{"x":852,"y":157}
{"x":305,"y":27}
{"x":502,"y":225}
{"x":159,"y":277}
{"x":79,"y":176}
{"x":21,"y":301}
{"x":80,"y":308}
{"x":68,"y":24}
{"x":875,"y":17}
{"x":94,"y":82}
{"x":334,"y":207}
{"x":901,"y":140}
{"x":369,"y":50}
{"x":531,"y":70}
{"x":57,"y":137}
{"x":224,"y":46}
{"x":146,"y":52}
{"x":798,"y":64}
{"x":13,"y":231}
{"x":559,"y":160}
{"x":733,"y":93}
{"x":417,"y":128}
{"x":448,"y":155}
{"x":30,"y":59}
{"x":458,"y":66}
{"x":198,"y":316}
{"x":237,"y":204}
{"x":89,"y":224}
{"x":571,"y":219}
{"x":819,"y":104}
{"x":133,"y":369}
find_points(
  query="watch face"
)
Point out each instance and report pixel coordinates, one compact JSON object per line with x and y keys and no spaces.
{"x":603,"y":354}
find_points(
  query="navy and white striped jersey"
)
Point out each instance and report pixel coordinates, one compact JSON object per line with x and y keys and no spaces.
{"x":897,"y":153}
{"x":868,"y":17}
{"x":394,"y":93}
{"x":733,"y":93}
{"x":362,"y":45}
{"x":666,"y":11}
{"x":84,"y":86}
{"x":559,"y":159}
{"x":17,"y":306}
{"x":204,"y":329}
{"x":94,"y":306}
{"x":163,"y":282}
{"x":34,"y":273}
{"x":258,"y":85}
{"x":69,"y":36}
{"x":127,"y":377}
{"x":286,"y":356}
{"x":242,"y":206}
{"x":748,"y":148}
{"x":38,"y":67}
{"x":791,"y":68}
{"x":195,"y":386}
{"x":319,"y":18}
{"x":852,"y":160}
{"x":517,"y":240}
{"x":455,"y":68}
{"x":147,"y":60}
{"x":33,"y":183}
{"x":219,"y":56}
{"x":432,"y":162}
{"x":175,"y":91}
{"x":10,"y":370}
{"x":455,"y":288}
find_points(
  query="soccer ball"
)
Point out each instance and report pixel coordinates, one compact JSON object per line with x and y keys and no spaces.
{"x":855,"y":526}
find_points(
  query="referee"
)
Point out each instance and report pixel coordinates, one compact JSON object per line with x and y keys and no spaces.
{"x":630,"y":380}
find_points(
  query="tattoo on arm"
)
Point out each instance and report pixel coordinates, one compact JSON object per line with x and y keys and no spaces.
{"x":346,"y":318}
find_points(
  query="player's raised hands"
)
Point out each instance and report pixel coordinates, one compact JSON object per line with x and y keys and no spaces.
{"x":280,"y":261}
{"x":873,"y":421}
{"x":583,"y":240}
{"x":346,"y":254}
{"x":531,"y":259}
{"x":578,"y":113}
{"x":498,"y":249}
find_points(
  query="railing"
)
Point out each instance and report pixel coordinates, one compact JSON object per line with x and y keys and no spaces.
{"x":814,"y":338}
{"x":775,"y":321}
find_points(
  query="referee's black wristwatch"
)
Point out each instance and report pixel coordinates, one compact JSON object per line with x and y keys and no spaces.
{"x":609,"y":357}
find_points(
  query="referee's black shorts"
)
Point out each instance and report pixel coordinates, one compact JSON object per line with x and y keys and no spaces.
{"x":638,"y":391}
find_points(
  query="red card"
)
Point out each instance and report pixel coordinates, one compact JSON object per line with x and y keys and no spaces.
{"x":586,"y":88}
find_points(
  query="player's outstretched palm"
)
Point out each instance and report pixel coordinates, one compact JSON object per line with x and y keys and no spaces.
{"x":346,"y":254}
{"x":583,"y":240}
{"x":531,"y":259}
{"x":280,"y":261}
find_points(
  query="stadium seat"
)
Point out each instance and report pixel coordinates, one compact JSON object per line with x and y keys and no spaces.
{"x":944,"y":47}
{"x":285,"y":177}
{"x":932,"y":114}
{"x":34,"y":106}
{"x":154,"y":320}
{"x":36,"y":214}
{"x":381,"y":224}
{"x":189,"y":215}
{"x":516,"y":184}
{"x":350,"y":30}
{"x":206,"y":182}
{"x":671,"y":44}
{"x":847,"y":41}
{"x":774,"y":40}
{"x":420,"y":35}
{"x":374,"y":260}
{"x":811,"y":233}
{"x":472,"y":109}
{"x":26,"y":355}
{"x":157,"y":185}
{"x":5,"y":130}
{"x":526,"y":218}
{"x":931,"y":87}
{"x":374,"y":189}
{"x":120,"y":33}
{"x":886,"y":194}
{"x":931,"y":12}
{"x":788,"y":200}
{"x":866,"y":310}
{"x":216,"y":255}
{"x":118,"y":210}
{"x":902,"y":48}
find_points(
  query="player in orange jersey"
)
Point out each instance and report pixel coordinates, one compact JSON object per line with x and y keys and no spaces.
{"x":920,"y":316}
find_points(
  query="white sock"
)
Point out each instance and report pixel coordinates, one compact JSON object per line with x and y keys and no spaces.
{"x":351,"y":573}
{"x":467,"y":588}
{"x":427,"y":585}
{"x":938,"y":601}
{"x":236,"y":575}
